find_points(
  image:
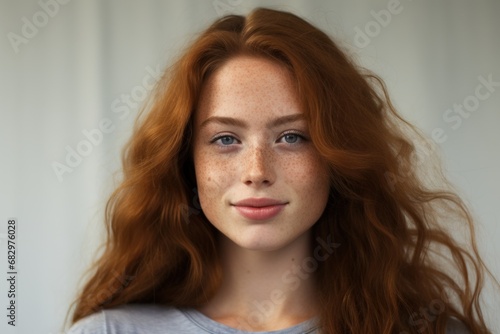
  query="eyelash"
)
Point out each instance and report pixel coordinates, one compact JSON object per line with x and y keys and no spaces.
{"x":301,"y":137}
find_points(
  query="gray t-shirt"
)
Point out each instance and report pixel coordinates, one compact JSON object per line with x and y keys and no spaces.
{"x":154,"y":319}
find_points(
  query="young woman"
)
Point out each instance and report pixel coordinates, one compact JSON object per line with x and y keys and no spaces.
{"x":271,"y":187}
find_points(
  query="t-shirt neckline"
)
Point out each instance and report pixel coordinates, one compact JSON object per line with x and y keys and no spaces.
{"x":212,"y":326}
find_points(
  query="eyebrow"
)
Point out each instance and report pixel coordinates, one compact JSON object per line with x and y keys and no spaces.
{"x":242,"y":124}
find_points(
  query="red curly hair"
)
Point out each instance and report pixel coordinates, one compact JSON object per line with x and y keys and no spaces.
{"x":389,"y":220}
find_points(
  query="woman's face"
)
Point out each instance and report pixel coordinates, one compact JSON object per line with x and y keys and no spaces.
{"x":260,"y":180}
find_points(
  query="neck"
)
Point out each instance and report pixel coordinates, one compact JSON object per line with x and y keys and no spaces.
{"x":264,"y":290}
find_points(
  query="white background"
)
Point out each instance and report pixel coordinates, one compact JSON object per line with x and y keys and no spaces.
{"x":72,"y":71}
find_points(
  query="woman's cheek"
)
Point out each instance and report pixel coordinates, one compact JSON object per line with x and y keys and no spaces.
{"x":212,"y":176}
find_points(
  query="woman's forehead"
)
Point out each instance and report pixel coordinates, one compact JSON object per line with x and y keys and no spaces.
{"x":248,"y":85}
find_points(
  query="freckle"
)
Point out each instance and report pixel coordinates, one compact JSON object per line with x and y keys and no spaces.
{"x":248,"y":271}
{"x":293,"y":259}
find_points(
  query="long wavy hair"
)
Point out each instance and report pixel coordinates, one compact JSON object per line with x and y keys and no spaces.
{"x":397,"y":269}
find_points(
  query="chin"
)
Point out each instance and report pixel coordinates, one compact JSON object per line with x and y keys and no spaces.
{"x":260,"y":247}
{"x":260,"y":243}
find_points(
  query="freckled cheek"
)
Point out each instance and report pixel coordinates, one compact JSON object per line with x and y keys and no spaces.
{"x":213,"y":177}
{"x":310,"y":183}
{"x":306,"y":172}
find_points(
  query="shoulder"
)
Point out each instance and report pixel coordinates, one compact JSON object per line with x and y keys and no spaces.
{"x":132,"y":319}
{"x":156,"y":319}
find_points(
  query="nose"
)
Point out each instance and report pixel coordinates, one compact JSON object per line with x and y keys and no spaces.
{"x":258,"y":167}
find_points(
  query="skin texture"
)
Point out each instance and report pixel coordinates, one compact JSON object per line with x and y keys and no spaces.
{"x":258,"y":162}
{"x":254,"y":159}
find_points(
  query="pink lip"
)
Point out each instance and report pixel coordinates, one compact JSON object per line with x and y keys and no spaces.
{"x":259,"y":208}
